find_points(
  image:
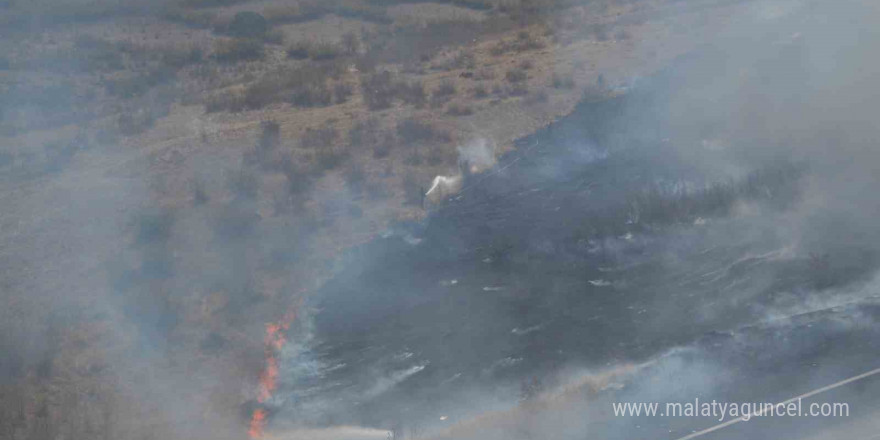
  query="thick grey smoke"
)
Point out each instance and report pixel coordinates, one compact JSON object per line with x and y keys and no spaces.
{"x":782,"y":84}
{"x":598,"y":265}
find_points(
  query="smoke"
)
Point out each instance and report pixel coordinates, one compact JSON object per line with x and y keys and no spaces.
{"x":605,"y":248}
{"x":478,"y":155}
{"x":780,"y":83}
{"x":473,"y":158}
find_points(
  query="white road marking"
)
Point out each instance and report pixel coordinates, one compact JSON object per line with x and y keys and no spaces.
{"x":802,"y":396}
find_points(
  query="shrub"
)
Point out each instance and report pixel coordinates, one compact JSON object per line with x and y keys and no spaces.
{"x":179,"y":58}
{"x":522,"y":43}
{"x":518,"y":89}
{"x":354,"y":178}
{"x":274,"y":36}
{"x":330,"y":158}
{"x":234,"y":221}
{"x":562,"y":82}
{"x":484,"y":74}
{"x":414,"y":158}
{"x":516,"y":76}
{"x":134,"y":123}
{"x":436,"y":155}
{"x":412,"y":93}
{"x":233,"y":102}
{"x":260,"y":94}
{"x":342,"y":92}
{"x":350,"y":43}
{"x":59,"y":154}
{"x":382,"y":150}
{"x":244,"y":183}
{"x":445,"y":89}
{"x":538,"y":97}
{"x":208,"y":3}
{"x":599,"y":31}
{"x":324,"y":51}
{"x":378,"y":90}
{"x":298,"y":180}
{"x":154,"y":226}
{"x":412,"y":130}
{"x":188,"y":17}
{"x":459,"y":110}
{"x":129,"y":87}
{"x":298,"y":51}
{"x":319,"y":137}
{"x":311,"y":95}
{"x":92,"y":54}
{"x":235,"y":50}
{"x":365,"y":132}
{"x":461,"y":60}
{"x":248,"y":24}
{"x":414,"y":194}
{"x":362,"y":10}
{"x":480,"y":92}
{"x":200,"y":194}
{"x":270,"y":135}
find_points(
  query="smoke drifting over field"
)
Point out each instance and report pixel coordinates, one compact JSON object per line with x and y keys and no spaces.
{"x":710,"y":231}
{"x":716,"y":222}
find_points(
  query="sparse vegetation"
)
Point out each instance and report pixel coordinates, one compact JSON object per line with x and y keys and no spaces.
{"x":313,"y":94}
{"x":299,"y":181}
{"x":244,"y":183}
{"x":299,"y":50}
{"x":457,"y":109}
{"x":480,"y":91}
{"x":323,"y":137}
{"x":248,"y":24}
{"x":516,"y":76}
{"x":412,"y":92}
{"x":365,"y":133}
{"x":189,"y":17}
{"x":323,"y":51}
{"x":329,"y":158}
{"x":413,"y":131}
{"x":562,"y":81}
{"x":537,"y":97}
{"x":523,"y":42}
{"x":302,"y":87}
{"x":414,"y":194}
{"x":342,"y":92}
{"x":355,"y":177}
{"x":378,"y":90}
{"x":351,"y":45}
{"x":445,"y":89}
{"x":443,"y":93}
{"x":599,"y":31}
{"x":238,"y":49}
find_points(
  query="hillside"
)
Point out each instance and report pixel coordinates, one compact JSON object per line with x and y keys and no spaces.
{"x":177,"y":174}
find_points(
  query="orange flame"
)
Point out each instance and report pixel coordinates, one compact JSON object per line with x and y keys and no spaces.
{"x":274,"y":341}
{"x":258,"y":422}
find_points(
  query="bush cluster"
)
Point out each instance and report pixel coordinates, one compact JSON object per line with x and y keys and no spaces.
{"x":238,"y":49}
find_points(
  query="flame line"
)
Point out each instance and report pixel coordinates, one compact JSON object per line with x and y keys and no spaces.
{"x":273,"y":342}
